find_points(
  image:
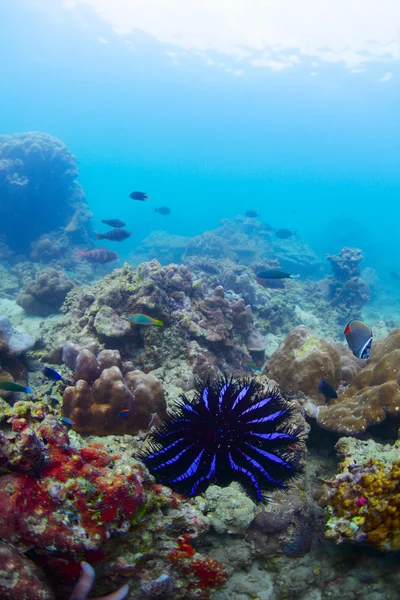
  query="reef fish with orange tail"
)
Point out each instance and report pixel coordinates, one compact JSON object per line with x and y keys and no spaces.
{"x":99,"y":256}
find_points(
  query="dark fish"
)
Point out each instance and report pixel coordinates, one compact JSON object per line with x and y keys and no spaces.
{"x":326,"y":389}
{"x":273,"y":274}
{"x":115,"y":235}
{"x":124,"y":413}
{"x":359,"y":338}
{"x":113,"y":223}
{"x":283,"y":234}
{"x":274,"y":284}
{"x":51,"y":374}
{"x":98,"y":255}
{"x":394,"y":275}
{"x":163,"y":210}
{"x":13,"y":386}
{"x":67,"y":421}
{"x":252,"y":214}
{"x":139,"y":196}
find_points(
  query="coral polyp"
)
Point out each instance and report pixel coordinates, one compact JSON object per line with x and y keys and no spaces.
{"x":230,"y":431}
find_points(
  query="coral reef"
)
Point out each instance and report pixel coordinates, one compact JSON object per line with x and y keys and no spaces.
{"x":196,"y":319}
{"x":103,"y":401}
{"x":36,"y":168}
{"x":44,"y":295}
{"x":363,"y":501}
{"x":65,"y":501}
{"x":372,"y":396}
{"x":346,"y":289}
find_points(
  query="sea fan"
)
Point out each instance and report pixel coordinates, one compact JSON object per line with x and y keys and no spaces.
{"x":230,"y":431}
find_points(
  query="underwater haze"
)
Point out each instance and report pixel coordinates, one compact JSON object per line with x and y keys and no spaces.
{"x":199,"y":300}
{"x":308,"y":136}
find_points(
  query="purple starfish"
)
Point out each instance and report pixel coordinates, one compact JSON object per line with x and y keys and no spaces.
{"x":85,"y":582}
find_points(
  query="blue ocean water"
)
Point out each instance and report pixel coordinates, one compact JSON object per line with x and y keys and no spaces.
{"x":319,"y":154}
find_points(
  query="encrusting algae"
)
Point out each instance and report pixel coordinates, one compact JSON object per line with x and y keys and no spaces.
{"x":363,"y":505}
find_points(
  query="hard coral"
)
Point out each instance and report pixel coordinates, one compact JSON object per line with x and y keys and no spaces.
{"x":373,"y":395}
{"x":45,"y":294}
{"x":36,"y":169}
{"x":301,"y":360}
{"x":103,"y":401}
{"x":80,"y":499}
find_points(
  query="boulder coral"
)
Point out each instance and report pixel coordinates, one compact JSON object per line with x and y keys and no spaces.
{"x":301,"y":360}
{"x":372,"y":396}
{"x":103,"y":401}
{"x":44,"y":295}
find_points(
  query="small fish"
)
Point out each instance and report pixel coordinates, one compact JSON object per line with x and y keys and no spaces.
{"x":13,"y":386}
{"x":124,"y":413}
{"x":326,"y":389}
{"x":359,"y":338}
{"x":114,"y":235}
{"x":139,"y":196}
{"x":253,"y":367}
{"x":98,"y":255}
{"x":144,"y":320}
{"x":394,"y":274}
{"x":283,"y":234}
{"x":51,"y":374}
{"x":113,"y":223}
{"x":163,"y":210}
{"x":252,"y":214}
{"x":273,"y":284}
{"x":273,"y":274}
{"x":67,"y":421}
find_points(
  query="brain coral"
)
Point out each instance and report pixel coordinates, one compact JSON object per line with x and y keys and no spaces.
{"x":35,"y":171}
{"x":373,"y":394}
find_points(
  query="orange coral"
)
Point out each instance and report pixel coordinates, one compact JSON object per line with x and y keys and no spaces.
{"x":364,"y":505}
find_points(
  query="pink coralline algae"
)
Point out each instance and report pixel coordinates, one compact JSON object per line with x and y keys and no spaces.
{"x":79,"y":500}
